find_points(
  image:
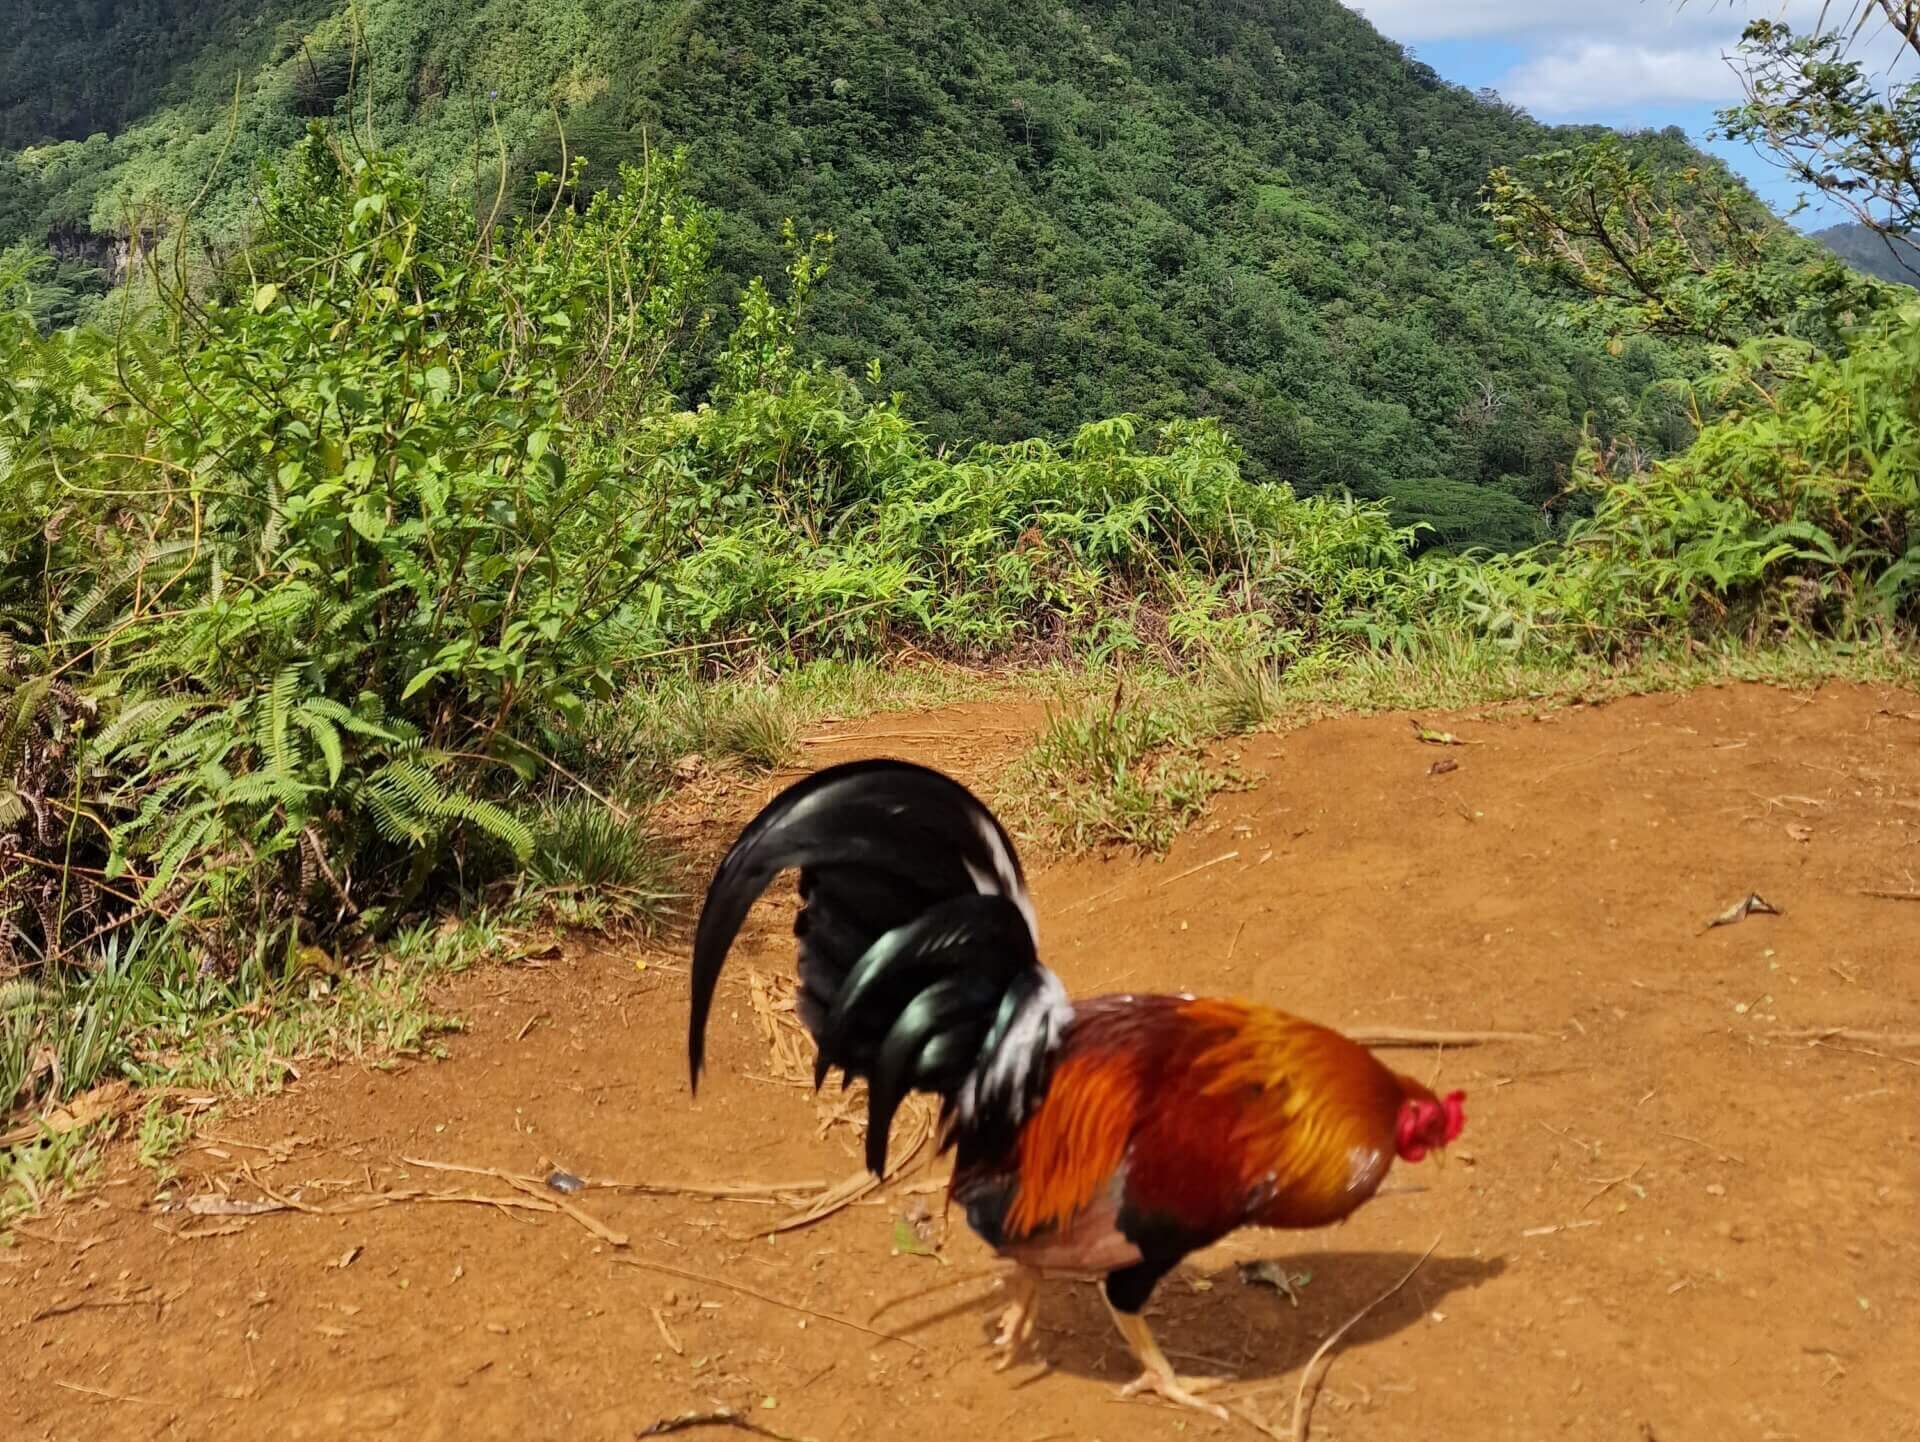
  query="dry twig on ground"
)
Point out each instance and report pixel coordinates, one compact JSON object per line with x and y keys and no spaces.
{"x":721,"y":1417}
{"x":1302,"y":1401}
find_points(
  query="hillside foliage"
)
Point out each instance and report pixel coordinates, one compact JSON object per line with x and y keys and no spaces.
{"x":306,"y":583}
{"x":1257,"y":211}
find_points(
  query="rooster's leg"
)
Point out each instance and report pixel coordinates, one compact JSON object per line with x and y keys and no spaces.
{"x":1016,"y":1323}
{"x":1156,"y":1373}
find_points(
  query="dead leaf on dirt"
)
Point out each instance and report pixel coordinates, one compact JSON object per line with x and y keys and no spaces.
{"x":1802,"y":834}
{"x":1437,"y":738}
{"x":89,"y":1107}
{"x":1752,"y":904}
{"x":688,"y":1421}
{"x":279,"y":1150}
{"x":231,"y":1207}
{"x":907,"y":1240}
{"x":345,"y":1259}
{"x":103,"y":1103}
{"x":667,"y":1334}
{"x":789,"y":1049}
{"x":1443,"y":766}
{"x":225,"y":1229}
{"x":1269,"y":1273}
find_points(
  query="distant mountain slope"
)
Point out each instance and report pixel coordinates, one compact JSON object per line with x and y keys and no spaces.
{"x":1862,"y":247}
{"x":1258,"y":209}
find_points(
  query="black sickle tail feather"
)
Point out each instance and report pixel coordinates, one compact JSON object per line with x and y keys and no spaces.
{"x":917,"y":945}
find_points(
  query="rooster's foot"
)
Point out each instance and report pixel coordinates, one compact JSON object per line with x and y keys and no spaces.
{"x":1178,"y":1390}
{"x":1017,"y":1322}
{"x":1156,"y":1373}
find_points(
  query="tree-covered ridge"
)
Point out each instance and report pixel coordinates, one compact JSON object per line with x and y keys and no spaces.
{"x":74,"y":68}
{"x":1865,"y":249}
{"x":1263,"y":212}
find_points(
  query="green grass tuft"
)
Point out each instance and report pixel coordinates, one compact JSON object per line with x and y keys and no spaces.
{"x":755,"y":727}
{"x":38,"y":1172}
{"x":1243,"y":693}
{"x":1125,"y":769}
{"x":593,"y":866}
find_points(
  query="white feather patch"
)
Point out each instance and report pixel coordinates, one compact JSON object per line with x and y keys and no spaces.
{"x":1004,"y":874}
{"x":999,"y":1081}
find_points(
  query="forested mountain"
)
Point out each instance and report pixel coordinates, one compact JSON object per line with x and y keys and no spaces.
{"x":1863,"y":248}
{"x":1255,"y":209}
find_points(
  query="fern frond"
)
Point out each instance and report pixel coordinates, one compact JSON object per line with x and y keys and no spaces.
{"x":346,"y":720}
{"x":327,"y":737}
{"x":412,"y":779}
{"x":263,"y":788}
{"x":182,"y":844}
{"x":19,"y":718}
{"x":139,"y":721}
{"x":117,"y":580}
{"x":498,"y":822}
{"x":392,"y":817}
{"x":280,"y":704}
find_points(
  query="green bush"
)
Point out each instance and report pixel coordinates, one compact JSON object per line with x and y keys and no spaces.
{"x":1117,"y":542}
{"x":320,"y":568}
{"x":1794,"y":513}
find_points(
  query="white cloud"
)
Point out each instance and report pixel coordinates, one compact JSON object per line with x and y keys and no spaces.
{"x":1601,"y":78}
{"x":1595,"y":59}
{"x":1661,"y":21}
{"x":1612,"y":62}
{"x":1412,"y":21}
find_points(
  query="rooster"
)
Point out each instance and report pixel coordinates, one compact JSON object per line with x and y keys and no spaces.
{"x":1109,"y":1136}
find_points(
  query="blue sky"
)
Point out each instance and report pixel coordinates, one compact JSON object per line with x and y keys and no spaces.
{"x":1628,"y":63}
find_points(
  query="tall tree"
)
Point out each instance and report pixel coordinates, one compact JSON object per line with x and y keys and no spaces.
{"x":1833,"y":110}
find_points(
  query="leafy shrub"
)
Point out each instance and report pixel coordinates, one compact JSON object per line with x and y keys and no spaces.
{"x":1793,"y":513}
{"x":1123,"y":770}
{"x":329,"y":564}
{"x":1007,"y":547}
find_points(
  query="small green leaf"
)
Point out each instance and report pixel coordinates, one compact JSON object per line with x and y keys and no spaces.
{"x":907,"y":1242}
{"x":420,"y":678}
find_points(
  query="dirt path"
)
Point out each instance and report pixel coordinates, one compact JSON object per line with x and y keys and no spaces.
{"x":1670,"y":1220}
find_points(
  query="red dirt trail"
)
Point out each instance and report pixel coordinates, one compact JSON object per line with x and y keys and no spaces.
{"x":1670,"y":1220}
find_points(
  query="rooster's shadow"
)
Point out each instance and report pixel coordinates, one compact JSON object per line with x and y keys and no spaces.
{"x":1217,"y":1321}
